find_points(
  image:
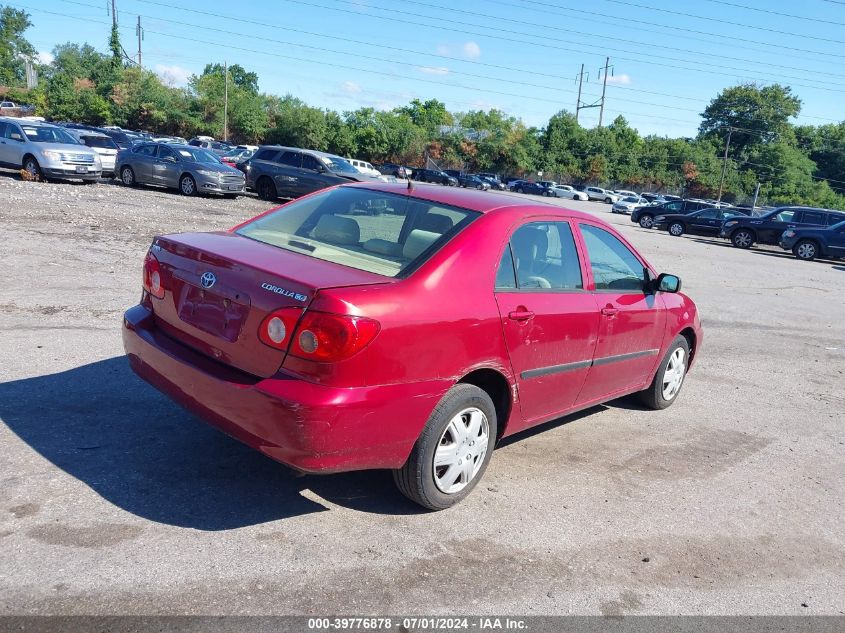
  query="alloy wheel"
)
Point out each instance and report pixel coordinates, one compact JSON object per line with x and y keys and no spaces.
{"x":646,"y":221}
{"x":187,"y":185}
{"x":806,"y":250}
{"x":461,"y":450}
{"x":742,"y":239}
{"x":676,"y":229}
{"x":673,"y":377}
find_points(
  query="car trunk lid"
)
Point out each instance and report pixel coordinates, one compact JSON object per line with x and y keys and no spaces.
{"x":220,"y":286}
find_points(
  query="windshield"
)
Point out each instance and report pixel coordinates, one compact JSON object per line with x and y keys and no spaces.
{"x":378,"y":232}
{"x":188,"y":152}
{"x":45,"y":134}
{"x":335,"y":163}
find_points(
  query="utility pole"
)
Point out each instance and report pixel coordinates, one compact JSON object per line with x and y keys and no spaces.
{"x":754,"y":203}
{"x":113,"y":14}
{"x":581,"y":105}
{"x":724,"y":163}
{"x":225,"y":101}
{"x":578,"y":103}
{"x":603,"y":89}
{"x":140,"y":37}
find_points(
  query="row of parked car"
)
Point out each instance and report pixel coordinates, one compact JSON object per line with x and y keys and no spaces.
{"x":807,"y":232}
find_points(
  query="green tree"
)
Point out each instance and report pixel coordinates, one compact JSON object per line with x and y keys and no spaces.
{"x":757,"y":115}
{"x":14,"y":47}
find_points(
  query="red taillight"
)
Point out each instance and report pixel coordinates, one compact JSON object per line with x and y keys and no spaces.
{"x":277,"y":327}
{"x":152,"y":277}
{"x":332,"y":337}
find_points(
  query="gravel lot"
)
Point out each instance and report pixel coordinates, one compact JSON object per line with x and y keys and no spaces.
{"x":114,"y":500}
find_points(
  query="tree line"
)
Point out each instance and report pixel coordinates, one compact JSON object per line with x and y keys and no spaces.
{"x":793,"y":164}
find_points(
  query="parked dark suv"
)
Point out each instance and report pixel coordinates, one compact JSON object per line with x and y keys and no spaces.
{"x":644,"y":216}
{"x":432,"y":175}
{"x":817,"y":241}
{"x":768,"y":228}
{"x":289,"y":172}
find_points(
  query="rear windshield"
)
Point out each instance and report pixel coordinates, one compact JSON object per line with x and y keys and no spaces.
{"x":378,"y":232}
{"x":99,"y":141}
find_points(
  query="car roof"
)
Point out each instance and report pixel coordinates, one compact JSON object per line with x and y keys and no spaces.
{"x":310,"y":151}
{"x":470,"y":199}
{"x":31,"y":122}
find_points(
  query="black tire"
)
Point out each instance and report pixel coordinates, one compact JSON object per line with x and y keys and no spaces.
{"x":676,"y":229}
{"x":266,"y":189}
{"x":479,"y":187}
{"x":646,"y":220}
{"x":653,"y":396}
{"x":742,"y":238}
{"x":416,"y":479}
{"x":187,"y":185}
{"x":806,"y":250}
{"x":609,"y":200}
{"x":31,"y":165}
{"x":127,"y":176}
{"x":520,"y":190}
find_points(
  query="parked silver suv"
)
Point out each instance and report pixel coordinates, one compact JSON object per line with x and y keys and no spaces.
{"x":46,"y":151}
{"x":189,"y":169}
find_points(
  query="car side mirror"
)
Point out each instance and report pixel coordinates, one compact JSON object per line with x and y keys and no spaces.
{"x":667,"y":283}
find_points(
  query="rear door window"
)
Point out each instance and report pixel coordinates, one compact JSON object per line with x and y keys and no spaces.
{"x":309,"y":162}
{"x":291,"y":159}
{"x":545,"y":256}
{"x":375,"y":231}
{"x":813,"y":217}
{"x":266,"y":154}
{"x":145,"y":150}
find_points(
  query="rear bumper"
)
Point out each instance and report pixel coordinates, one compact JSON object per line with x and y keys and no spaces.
{"x":310,"y":427}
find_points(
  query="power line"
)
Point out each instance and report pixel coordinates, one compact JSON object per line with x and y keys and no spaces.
{"x":404,"y":50}
{"x":769,"y":11}
{"x":463,"y":30}
{"x":564,"y":30}
{"x":779,"y":45}
{"x":720,"y":21}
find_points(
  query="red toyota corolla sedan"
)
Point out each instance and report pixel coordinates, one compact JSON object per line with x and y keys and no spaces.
{"x":373,"y":326}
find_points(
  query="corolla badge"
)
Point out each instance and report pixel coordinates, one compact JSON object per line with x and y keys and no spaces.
{"x":208,"y":279}
{"x":284,"y":292}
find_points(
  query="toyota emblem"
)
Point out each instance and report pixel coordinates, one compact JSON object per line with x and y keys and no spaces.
{"x":208,"y":279}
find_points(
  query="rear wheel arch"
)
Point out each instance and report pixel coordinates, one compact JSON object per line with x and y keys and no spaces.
{"x":497,"y":386}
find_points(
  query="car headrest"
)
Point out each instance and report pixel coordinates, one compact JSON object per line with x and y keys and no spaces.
{"x":337,"y":229}
{"x":417,"y":242}
{"x":435,"y":223}
{"x":530,"y":244}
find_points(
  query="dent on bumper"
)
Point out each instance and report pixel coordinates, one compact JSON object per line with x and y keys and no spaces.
{"x":307,"y":426}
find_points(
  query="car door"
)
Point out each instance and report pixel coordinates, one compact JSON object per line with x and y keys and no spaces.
{"x":286,"y":172}
{"x":5,"y":146}
{"x":705,"y":222}
{"x":836,"y":242}
{"x":632,"y":322}
{"x":770,"y":229}
{"x":549,"y":321}
{"x":13,"y":147}
{"x":165,"y":167}
{"x":141,"y":161}
{"x":315,"y":175}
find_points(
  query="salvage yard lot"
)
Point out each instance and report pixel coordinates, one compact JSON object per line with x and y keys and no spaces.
{"x":114,"y":500}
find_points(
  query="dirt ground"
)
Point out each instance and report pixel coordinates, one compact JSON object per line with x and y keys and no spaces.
{"x":115,"y":500}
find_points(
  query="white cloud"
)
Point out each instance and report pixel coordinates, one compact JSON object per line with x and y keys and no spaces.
{"x":472,"y":50}
{"x":45,"y":57}
{"x":173,"y":75}
{"x":433,"y":70}
{"x":621,"y":80}
{"x":350,"y":87}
